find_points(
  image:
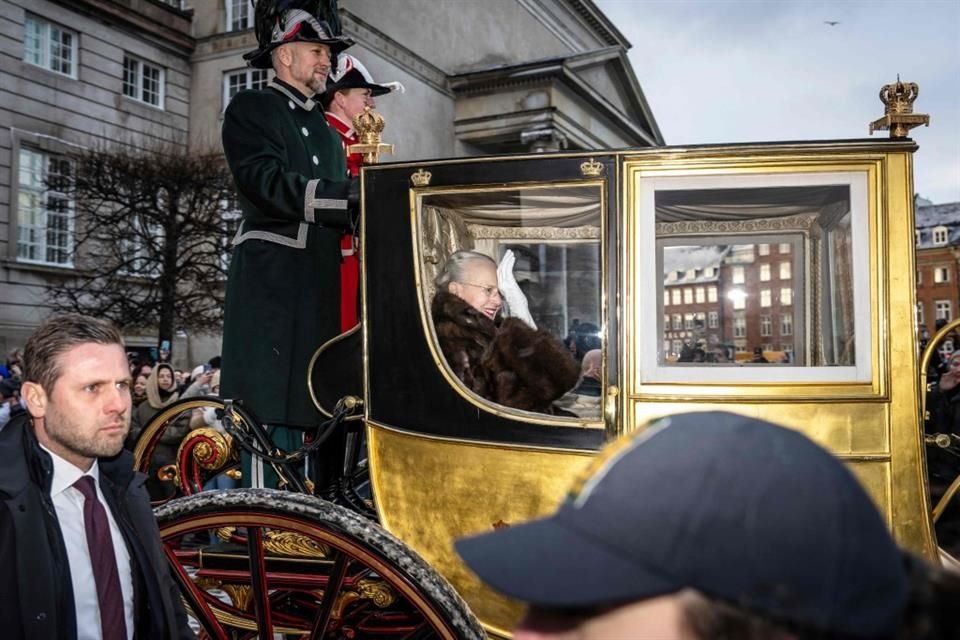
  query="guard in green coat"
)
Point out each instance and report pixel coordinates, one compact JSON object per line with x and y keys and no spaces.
{"x":282,"y":299}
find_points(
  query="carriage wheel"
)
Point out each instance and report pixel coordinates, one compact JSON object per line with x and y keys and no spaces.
{"x":202,"y":454}
{"x":287,"y":563}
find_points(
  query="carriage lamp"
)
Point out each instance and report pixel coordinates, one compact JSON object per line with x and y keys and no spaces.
{"x":369,"y":126}
{"x":898,"y":116}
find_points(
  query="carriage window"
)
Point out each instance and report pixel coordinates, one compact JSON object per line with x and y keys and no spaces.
{"x":788,"y":259}
{"x":554,"y":236}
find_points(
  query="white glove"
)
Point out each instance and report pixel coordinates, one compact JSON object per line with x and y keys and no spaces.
{"x":514,"y":302}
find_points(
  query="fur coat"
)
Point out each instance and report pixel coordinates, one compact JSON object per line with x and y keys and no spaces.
{"x":504,"y":361}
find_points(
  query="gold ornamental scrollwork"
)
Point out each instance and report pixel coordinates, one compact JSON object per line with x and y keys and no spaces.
{"x":583,"y":232}
{"x":240,"y":594}
{"x":211,"y":448}
{"x":421,"y":178}
{"x":798,"y":222}
{"x":288,"y":543}
{"x":377,"y":591}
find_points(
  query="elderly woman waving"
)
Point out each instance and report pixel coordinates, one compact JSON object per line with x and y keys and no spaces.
{"x":504,"y":359}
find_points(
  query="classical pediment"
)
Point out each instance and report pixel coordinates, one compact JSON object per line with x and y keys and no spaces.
{"x":587,"y":100}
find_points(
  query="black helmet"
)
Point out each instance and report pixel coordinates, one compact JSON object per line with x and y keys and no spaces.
{"x":281,"y":21}
{"x":349,"y":73}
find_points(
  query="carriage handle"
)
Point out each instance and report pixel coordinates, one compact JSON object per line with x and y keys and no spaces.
{"x":925,"y":359}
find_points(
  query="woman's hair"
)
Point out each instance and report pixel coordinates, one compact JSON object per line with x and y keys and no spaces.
{"x":930,"y":613}
{"x":456,"y":265}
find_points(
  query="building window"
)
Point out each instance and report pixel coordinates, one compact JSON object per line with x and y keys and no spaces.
{"x":919,"y":314}
{"x":711,"y":294}
{"x":677,"y":322}
{"x":139,"y":259}
{"x":688,"y":296}
{"x":786,"y":296}
{"x":785,"y":270}
{"x":738,"y":275}
{"x":142,"y":81}
{"x":784,"y":248}
{"x":765,"y":298}
{"x":766,"y":326}
{"x":666,"y":299}
{"x":943,"y":311}
{"x":239,"y":15}
{"x":49,"y":46}
{"x":739,"y":299}
{"x":700,"y":294}
{"x":763,"y":249}
{"x":918,"y":237}
{"x":177,"y":4}
{"x":919,"y":276}
{"x":675,"y":296}
{"x":940,"y":235}
{"x":941,"y":274}
{"x":739,"y":326}
{"x":677,"y":346}
{"x":688,"y":322}
{"x":713,"y":320}
{"x":764,"y":272}
{"x":786,"y":325}
{"x":236,"y":81}
{"x":44,"y":212}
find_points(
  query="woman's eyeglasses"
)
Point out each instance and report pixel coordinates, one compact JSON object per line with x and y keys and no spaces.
{"x":488,"y":290}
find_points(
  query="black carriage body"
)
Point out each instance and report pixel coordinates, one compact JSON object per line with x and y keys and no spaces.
{"x":405,"y":386}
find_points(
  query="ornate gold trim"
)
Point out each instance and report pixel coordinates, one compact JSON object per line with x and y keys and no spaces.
{"x":288,"y":543}
{"x":583,"y":233}
{"x":313,"y":362}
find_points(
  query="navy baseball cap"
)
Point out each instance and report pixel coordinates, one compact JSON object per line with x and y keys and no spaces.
{"x":736,"y":508}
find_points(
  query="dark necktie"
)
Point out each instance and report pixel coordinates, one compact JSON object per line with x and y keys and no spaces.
{"x":104,"y":561}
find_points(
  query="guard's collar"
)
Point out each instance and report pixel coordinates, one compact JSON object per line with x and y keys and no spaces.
{"x":294,"y":94}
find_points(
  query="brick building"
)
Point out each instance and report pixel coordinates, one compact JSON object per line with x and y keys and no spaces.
{"x":938,"y":267}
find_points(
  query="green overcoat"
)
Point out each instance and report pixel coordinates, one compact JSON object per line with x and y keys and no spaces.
{"x":283,"y":288}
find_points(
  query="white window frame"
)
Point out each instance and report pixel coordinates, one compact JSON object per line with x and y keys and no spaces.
{"x":713,"y":319}
{"x":766,"y":326}
{"x":43,"y":57}
{"x":134,"y":249}
{"x":700,"y":295}
{"x":250,"y":81}
{"x":786,"y":296}
{"x":786,"y":324}
{"x":766,"y":298}
{"x":943,"y":310}
{"x":941,"y":235}
{"x":647,"y":186}
{"x":711,"y":294}
{"x":786,"y":270}
{"x":941,"y":274}
{"x":739,"y":326}
{"x":687,"y":295}
{"x":675,"y":295}
{"x":41,"y":214}
{"x":228,"y":25}
{"x":138,"y":85}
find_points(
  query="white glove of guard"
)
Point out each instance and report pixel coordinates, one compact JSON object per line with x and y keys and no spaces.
{"x":514,"y":302}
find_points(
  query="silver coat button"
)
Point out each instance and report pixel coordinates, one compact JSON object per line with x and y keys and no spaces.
{"x":304,"y":131}
{"x":292,"y":106}
{"x":316,"y":160}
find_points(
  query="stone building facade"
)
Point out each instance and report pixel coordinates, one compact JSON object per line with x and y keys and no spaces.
{"x":485,"y":77}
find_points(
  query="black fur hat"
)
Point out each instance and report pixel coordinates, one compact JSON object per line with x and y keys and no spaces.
{"x":282,"y":21}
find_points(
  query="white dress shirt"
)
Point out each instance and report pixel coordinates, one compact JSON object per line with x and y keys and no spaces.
{"x":68,"y":501}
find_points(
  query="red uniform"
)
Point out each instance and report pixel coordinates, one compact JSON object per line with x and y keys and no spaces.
{"x":350,"y":264}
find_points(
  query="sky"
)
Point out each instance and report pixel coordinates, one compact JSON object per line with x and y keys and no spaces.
{"x":760,"y":70}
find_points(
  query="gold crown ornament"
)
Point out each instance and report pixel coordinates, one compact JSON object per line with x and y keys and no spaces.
{"x":898,"y":116}
{"x":591,"y":168}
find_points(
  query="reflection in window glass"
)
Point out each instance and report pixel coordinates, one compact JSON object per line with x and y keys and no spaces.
{"x":798,"y":237}
{"x":700,"y":295}
{"x":554,"y":235}
{"x":675,"y":295}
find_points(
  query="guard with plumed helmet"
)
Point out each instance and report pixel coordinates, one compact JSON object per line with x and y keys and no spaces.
{"x":296,"y":200}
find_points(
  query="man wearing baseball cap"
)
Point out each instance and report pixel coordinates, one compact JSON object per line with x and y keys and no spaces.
{"x":715,"y":525}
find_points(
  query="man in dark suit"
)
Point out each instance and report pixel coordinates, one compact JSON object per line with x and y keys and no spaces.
{"x":283,"y":288}
{"x":79,"y":547}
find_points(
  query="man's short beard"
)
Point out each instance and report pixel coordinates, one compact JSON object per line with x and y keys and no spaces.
{"x":317,"y":86}
{"x":61,"y":431}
